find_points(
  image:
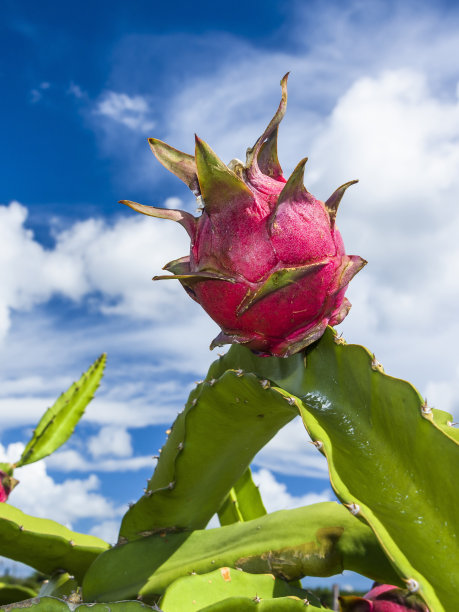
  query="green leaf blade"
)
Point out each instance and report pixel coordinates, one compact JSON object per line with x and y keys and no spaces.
{"x":59,"y":421}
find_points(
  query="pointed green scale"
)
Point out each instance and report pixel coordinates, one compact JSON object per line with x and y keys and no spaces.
{"x":227,"y":338}
{"x":350,"y":265}
{"x":59,"y":421}
{"x":334,"y":201}
{"x":196,"y":277}
{"x":304,"y":340}
{"x":276,"y":281}
{"x":268,"y":161}
{"x":294,"y":189}
{"x":220,"y":186}
{"x":179,"y":266}
{"x":180,"y":216}
{"x":181,"y":164}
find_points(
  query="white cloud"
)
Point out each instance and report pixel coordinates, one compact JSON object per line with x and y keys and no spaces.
{"x":115,"y":261}
{"x":276,"y":496}
{"x":37,"y":94}
{"x":132,"y":112}
{"x":106,"y":530}
{"x":73,"y":461}
{"x":110,"y":440}
{"x":291,"y":452}
{"x":39,"y":495}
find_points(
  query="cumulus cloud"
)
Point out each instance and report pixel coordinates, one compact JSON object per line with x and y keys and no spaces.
{"x":276,"y":496}
{"x":73,"y":461}
{"x":110,"y":440}
{"x":291,"y":452}
{"x":132,"y":112}
{"x":39,"y":495}
{"x":113,"y":261}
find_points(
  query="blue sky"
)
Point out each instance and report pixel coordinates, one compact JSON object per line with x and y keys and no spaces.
{"x":373,"y":94}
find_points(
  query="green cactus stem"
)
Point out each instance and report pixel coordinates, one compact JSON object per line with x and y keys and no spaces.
{"x":391,"y":456}
{"x":196,"y":592}
{"x":195,"y":470}
{"x":53,"y":604}
{"x":318,"y":540}
{"x":46,"y":545}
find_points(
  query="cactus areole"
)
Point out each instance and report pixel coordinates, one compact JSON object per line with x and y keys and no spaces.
{"x":266,"y":262}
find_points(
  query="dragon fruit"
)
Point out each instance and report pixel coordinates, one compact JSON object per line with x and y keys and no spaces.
{"x":267,"y":262}
{"x":383,"y":598}
{"x":7,"y":484}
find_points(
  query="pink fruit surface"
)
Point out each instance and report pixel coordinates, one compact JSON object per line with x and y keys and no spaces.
{"x":266,"y":261}
{"x":383,"y":598}
{"x":7,"y":484}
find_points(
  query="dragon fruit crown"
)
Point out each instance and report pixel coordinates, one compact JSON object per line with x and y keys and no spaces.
{"x":266,"y":262}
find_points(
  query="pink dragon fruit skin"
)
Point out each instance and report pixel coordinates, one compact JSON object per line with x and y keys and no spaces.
{"x":7,"y":484}
{"x":383,"y":598}
{"x":267,"y":262}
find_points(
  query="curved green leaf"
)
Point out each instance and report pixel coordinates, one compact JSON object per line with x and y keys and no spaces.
{"x":318,"y":540}
{"x":196,"y":592}
{"x":45,"y":545}
{"x":196,"y":468}
{"x":58,"y":423}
